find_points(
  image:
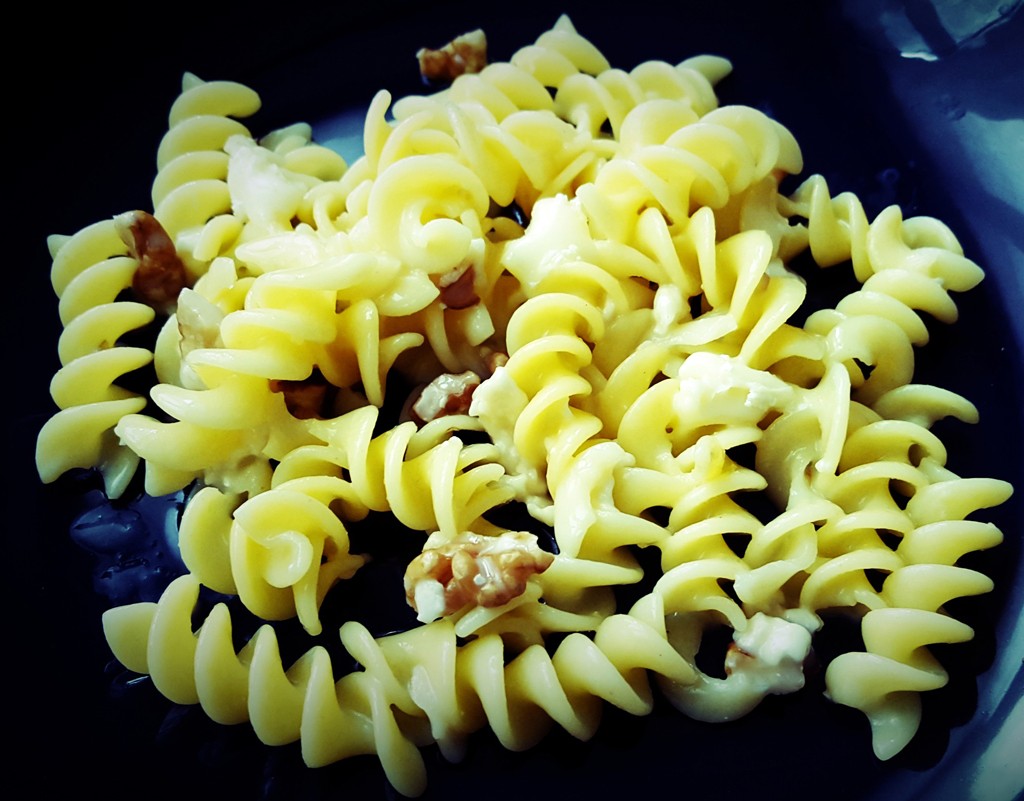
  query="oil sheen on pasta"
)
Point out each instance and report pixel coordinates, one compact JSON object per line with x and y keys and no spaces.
{"x":588,"y":274}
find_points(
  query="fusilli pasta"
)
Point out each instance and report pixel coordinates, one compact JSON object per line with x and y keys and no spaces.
{"x":583,"y":279}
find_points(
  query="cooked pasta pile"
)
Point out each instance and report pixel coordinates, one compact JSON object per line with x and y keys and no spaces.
{"x":590,"y":276}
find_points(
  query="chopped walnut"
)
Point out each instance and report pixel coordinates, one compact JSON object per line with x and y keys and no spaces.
{"x":305,"y":399}
{"x":472,"y":569}
{"x":447,"y":394}
{"x":161,"y":275}
{"x":457,"y":290}
{"x":464,"y":54}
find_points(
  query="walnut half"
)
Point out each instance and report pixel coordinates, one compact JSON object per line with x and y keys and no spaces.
{"x":463,"y":54}
{"x":161,"y":275}
{"x":472,"y":569}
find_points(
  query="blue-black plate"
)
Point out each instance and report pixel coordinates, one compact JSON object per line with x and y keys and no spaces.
{"x":918,"y":103}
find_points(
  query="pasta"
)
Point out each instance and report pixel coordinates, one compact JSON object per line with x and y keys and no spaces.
{"x":89,"y":272}
{"x":552,"y":286}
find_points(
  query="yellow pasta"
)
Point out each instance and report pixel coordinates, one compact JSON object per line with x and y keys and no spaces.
{"x":581,"y":279}
{"x":90,"y":269}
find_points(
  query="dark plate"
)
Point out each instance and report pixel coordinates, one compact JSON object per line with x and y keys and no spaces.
{"x":918,"y":103}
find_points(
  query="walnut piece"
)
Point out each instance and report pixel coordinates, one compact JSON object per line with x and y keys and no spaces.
{"x":472,"y":569}
{"x":449,"y":393}
{"x":463,"y":54}
{"x":304,"y":399}
{"x":457,"y":290}
{"x":161,"y":275}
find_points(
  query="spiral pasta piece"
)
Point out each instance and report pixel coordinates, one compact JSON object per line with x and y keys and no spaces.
{"x":303,"y":702}
{"x":702,"y":162}
{"x":403,"y":695}
{"x":91,"y":269}
{"x":190,"y":193}
{"x":884,"y":681}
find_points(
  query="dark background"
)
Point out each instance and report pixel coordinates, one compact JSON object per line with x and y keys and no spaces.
{"x":89,"y":106}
